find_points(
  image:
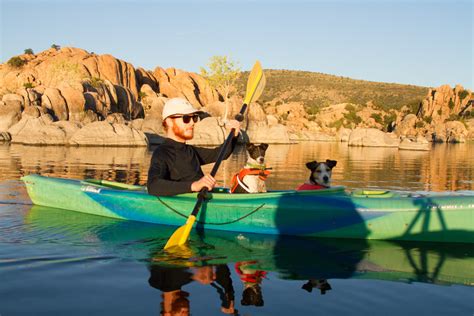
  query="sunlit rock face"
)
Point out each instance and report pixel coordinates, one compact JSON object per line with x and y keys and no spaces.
{"x":371,"y":137}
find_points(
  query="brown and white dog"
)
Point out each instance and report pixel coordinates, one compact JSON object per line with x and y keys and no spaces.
{"x":320,"y":176}
{"x":251,"y":178}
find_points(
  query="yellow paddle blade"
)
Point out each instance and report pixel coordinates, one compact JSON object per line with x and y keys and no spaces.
{"x":255,"y":83}
{"x":180,"y":256}
{"x":260,"y":87}
{"x":180,"y":236}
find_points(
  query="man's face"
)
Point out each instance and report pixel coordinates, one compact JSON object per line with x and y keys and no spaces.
{"x":181,"y":129}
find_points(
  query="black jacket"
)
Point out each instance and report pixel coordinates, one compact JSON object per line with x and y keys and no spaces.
{"x":175,"y":166}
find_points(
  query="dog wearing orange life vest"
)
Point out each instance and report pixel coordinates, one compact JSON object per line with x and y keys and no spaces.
{"x":251,"y":178}
{"x":320,"y":176}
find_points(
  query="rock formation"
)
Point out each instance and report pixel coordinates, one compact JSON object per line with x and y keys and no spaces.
{"x":108,"y":134}
{"x":73,"y":85}
{"x":71,"y":96}
{"x":371,"y":137}
{"x":418,"y":144}
{"x":442,"y":102}
{"x":438,"y":117}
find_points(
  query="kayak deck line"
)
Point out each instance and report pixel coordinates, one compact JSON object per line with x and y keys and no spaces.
{"x":200,"y":222}
{"x":330,"y":213}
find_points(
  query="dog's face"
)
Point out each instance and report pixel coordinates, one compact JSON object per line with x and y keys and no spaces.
{"x":256,"y":153}
{"x":321,"y":172}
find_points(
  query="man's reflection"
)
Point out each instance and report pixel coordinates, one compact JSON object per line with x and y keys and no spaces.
{"x":219,"y":278}
{"x":170,"y":281}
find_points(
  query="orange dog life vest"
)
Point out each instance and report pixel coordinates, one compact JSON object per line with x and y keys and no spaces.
{"x":237,"y":179}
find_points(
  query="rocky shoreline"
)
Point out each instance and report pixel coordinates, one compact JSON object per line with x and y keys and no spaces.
{"x":71,"y":97}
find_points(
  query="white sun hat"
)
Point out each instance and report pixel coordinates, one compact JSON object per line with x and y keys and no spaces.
{"x":177,"y":106}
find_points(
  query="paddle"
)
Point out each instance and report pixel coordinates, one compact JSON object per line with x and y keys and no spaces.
{"x":255,"y":85}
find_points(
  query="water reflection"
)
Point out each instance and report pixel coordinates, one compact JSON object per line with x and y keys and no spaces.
{"x":171,"y":280}
{"x":123,"y":164}
{"x":252,"y":255}
{"x":322,"y":285}
{"x":445,"y":167}
{"x":237,"y":269}
{"x":229,"y":263}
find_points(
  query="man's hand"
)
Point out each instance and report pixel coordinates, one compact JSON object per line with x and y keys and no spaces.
{"x":233,"y":124}
{"x":206,"y":181}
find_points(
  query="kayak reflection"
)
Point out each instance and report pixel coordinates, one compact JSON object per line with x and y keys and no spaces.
{"x":291,"y":258}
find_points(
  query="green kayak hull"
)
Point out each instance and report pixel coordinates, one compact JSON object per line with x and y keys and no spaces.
{"x":331,"y":213}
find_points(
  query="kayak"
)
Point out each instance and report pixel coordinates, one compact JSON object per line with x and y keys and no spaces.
{"x":331,"y":213}
{"x":293,"y":258}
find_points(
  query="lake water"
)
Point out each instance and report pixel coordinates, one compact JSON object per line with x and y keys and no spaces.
{"x":54,"y":262}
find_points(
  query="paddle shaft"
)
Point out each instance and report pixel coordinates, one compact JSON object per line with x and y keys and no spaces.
{"x":202,"y":194}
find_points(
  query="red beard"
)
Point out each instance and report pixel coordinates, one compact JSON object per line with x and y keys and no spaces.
{"x":183,"y":133}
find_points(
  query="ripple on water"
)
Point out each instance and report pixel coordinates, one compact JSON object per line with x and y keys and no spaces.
{"x":15,"y":263}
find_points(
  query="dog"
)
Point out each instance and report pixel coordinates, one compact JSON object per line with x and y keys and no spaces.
{"x":251,"y":178}
{"x":320,"y":177}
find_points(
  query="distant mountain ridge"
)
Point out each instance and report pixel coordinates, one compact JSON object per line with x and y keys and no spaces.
{"x":317,"y":90}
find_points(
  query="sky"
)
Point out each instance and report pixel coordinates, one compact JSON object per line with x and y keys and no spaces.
{"x":424,"y":43}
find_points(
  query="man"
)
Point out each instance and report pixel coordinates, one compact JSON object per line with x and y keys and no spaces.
{"x":175,"y":166}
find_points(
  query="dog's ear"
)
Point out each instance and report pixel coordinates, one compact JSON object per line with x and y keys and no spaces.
{"x":331,"y":163}
{"x":264,"y":146}
{"x":312,"y":165}
{"x":249,"y":146}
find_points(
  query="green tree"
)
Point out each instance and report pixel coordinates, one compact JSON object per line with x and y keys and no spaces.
{"x":463,"y":94}
{"x":16,"y":62}
{"x":427,"y":119}
{"x":29,"y":51}
{"x":222,"y":75}
{"x":389,"y":118}
{"x":377,"y":117}
{"x":56,"y":47}
{"x":451,"y":104}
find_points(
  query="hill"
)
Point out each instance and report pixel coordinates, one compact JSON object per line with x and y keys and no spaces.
{"x":317,"y":90}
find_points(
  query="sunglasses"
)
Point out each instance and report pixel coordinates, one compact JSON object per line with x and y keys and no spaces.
{"x":187,"y":118}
